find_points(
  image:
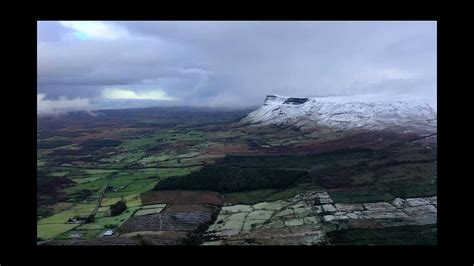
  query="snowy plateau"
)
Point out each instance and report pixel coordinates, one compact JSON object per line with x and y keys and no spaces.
{"x":344,"y":113}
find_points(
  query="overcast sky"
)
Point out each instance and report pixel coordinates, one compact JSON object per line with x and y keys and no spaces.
{"x":230,"y":64}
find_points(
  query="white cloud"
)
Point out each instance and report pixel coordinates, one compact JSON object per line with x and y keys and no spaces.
{"x":156,"y":94}
{"x":61,"y":105}
{"x":94,"y":29}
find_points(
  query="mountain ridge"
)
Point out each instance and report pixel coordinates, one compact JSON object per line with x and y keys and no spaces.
{"x":344,"y":113}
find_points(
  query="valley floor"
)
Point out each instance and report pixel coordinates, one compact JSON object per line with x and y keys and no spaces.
{"x":200,"y":178}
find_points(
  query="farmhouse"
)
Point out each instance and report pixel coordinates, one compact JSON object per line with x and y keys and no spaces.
{"x":108,"y":233}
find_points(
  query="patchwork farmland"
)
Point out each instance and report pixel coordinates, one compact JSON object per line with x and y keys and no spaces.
{"x":199,"y":177}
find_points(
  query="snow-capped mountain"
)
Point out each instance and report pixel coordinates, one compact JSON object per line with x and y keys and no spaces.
{"x":343,"y":112}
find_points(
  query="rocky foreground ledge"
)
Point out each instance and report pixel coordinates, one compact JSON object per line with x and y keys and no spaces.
{"x":308,"y":218}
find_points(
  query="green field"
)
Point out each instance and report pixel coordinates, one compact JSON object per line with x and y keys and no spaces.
{"x":47,"y":231}
{"x":256,"y":196}
{"x":114,"y":221}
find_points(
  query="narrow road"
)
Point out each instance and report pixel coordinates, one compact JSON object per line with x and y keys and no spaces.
{"x":102,"y":193}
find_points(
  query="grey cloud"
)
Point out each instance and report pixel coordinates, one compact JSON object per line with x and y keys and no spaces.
{"x":238,"y":63}
{"x":50,"y":31}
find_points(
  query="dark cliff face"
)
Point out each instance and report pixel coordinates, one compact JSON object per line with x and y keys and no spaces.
{"x":285,"y":100}
{"x":270,"y":98}
{"x":295,"y":100}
